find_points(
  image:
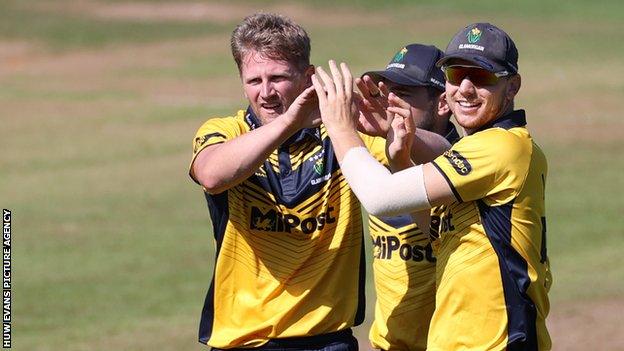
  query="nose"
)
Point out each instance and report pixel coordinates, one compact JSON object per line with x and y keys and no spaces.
{"x":466,"y":88}
{"x":267,"y":89}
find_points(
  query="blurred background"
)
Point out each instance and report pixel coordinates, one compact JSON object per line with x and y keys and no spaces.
{"x":100,"y":100}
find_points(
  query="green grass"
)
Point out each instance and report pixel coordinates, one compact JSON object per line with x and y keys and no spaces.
{"x":63,"y":31}
{"x":585,"y":220}
{"x":113,"y":247}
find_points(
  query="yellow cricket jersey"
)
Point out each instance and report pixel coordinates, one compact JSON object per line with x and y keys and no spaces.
{"x":493,"y":273}
{"x":404,"y":275}
{"x":289,"y":253}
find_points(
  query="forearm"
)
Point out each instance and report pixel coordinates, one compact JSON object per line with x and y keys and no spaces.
{"x":421,"y":218}
{"x":380,"y":192}
{"x":343,"y":140}
{"x":399,"y":163}
{"x":222,"y":166}
{"x":427,"y":146}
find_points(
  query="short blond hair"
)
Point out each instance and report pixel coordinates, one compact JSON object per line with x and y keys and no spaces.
{"x":273,"y":36}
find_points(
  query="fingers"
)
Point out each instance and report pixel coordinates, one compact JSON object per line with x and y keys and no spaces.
{"x":363,"y":86}
{"x":340,"y":83}
{"x":399,"y":127}
{"x":372,"y":87}
{"x":410,"y":125}
{"x":308,"y":93}
{"x":307,"y":97}
{"x":348,"y":79}
{"x":320,"y":91}
{"x":338,"y":80}
{"x":357,"y":97}
{"x":330,"y":87}
{"x":397,"y":101}
{"x":402,"y":112}
{"x":401,"y":108}
{"x":383,"y":88}
{"x":359,"y":83}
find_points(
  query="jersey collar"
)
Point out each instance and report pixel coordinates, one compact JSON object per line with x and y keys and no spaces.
{"x":451,"y":135}
{"x":315,"y":133}
{"x":513,"y":119}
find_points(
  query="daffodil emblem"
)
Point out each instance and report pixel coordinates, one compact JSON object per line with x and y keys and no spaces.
{"x":319,"y":167}
{"x":399,"y":55}
{"x":473,"y":35}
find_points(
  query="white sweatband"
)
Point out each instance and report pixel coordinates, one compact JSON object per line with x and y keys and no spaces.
{"x":381,"y":192}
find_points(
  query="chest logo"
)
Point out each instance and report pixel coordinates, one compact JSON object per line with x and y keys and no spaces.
{"x":319,"y":167}
{"x":273,"y":221}
{"x":385,"y":246}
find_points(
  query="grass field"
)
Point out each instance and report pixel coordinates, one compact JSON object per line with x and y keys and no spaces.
{"x":100,"y":100}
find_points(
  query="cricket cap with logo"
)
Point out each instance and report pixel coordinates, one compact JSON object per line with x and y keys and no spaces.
{"x":485,"y":45}
{"x":413,"y":65}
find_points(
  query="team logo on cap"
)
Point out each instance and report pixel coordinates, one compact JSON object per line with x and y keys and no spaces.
{"x":473,"y":35}
{"x":399,"y":55}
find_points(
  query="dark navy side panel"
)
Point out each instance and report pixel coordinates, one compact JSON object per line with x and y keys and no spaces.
{"x":521,"y":311}
{"x":292,"y":187}
{"x":451,"y":135}
{"x":361,"y":307}
{"x":399,"y":221}
{"x":218,"y":207}
{"x":207,"y":316}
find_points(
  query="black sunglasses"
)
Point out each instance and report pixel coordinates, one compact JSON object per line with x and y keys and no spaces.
{"x":455,"y":74}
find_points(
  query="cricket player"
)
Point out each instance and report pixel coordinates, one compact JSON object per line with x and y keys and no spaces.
{"x":290,"y":269}
{"x":403,"y":260}
{"x":493,"y":273}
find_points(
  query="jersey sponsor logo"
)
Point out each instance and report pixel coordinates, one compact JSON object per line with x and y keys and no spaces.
{"x":461,"y":165}
{"x":201,"y":140}
{"x":385,"y":246}
{"x":273,"y":221}
{"x":441,"y":225}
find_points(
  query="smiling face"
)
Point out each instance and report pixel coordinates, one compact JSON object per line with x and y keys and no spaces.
{"x":475,"y":106}
{"x":271,"y":85}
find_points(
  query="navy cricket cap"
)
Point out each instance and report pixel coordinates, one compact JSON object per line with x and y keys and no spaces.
{"x":413,"y":65}
{"x":485,"y":45}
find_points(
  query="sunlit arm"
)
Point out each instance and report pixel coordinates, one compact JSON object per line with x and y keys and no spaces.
{"x":427,"y":146}
{"x":222,"y":166}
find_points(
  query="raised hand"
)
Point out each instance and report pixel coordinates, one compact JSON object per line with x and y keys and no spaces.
{"x":374,"y":119}
{"x":401,"y":134}
{"x":338,"y":110}
{"x":304,"y":111}
{"x":335,"y":95}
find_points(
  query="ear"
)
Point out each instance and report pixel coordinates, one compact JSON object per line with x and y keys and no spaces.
{"x":308,"y":73}
{"x":443,"y":106}
{"x":513,"y":86}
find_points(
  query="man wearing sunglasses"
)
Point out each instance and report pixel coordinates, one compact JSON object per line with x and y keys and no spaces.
{"x":493,"y":273}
